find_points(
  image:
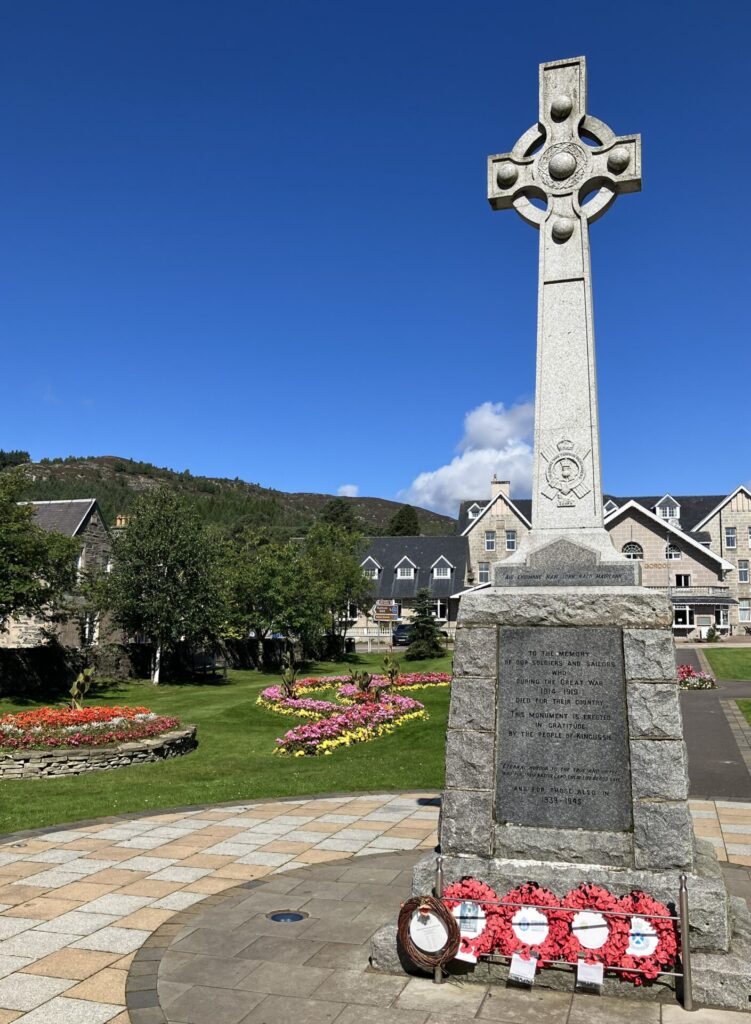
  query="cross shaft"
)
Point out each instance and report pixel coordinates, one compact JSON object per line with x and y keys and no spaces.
{"x":553,"y":163}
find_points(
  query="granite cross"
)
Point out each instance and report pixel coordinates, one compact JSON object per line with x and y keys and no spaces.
{"x":575,"y":165}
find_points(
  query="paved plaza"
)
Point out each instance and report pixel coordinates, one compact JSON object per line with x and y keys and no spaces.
{"x":96,"y":919}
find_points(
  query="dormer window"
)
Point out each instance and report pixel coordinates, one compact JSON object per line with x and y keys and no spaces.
{"x":473,"y":511}
{"x":441,"y":572}
{"x":610,"y":507}
{"x":668,"y":508}
{"x":371,"y":569}
{"x":405,"y":572}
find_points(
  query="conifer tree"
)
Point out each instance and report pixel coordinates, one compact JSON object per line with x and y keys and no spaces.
{"x":425,"y":637}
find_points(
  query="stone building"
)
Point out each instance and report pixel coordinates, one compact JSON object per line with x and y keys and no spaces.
{"x":80,"y":518}
{"x":695,"y":547}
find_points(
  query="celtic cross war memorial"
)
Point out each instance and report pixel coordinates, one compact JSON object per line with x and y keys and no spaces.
{"x":565,"y":760}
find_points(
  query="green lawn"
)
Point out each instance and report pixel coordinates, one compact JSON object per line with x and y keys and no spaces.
{"x":234,"y":757}
{"x":731,"y":663}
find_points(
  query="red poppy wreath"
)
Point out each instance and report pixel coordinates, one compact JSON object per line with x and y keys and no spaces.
{"x":599,"y":938}
{"x":653,"y":941}
{"x":477,"y":920}
{"x":531,"y":923}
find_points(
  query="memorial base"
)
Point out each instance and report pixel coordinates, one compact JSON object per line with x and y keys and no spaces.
{"x":565,"y":763}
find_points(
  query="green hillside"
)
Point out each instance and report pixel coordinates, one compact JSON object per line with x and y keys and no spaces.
{"x":230,"y":504}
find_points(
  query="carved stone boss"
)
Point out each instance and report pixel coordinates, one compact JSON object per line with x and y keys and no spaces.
{"x":556,"y":162}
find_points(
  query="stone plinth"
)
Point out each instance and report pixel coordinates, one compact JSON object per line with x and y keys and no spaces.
{"x":565,"y":763}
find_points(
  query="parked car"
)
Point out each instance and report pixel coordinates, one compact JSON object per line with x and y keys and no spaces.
{"x":403,"y":634}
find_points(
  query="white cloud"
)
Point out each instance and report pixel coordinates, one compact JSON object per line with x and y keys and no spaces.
{"x":496,"y":440}
{"x":348,"y":490}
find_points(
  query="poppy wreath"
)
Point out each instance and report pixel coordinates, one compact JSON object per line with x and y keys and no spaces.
{"x":539,"y":915}
{"x":657,"y":936}
{"x":471,"y":890}
{"x":594,"y":900}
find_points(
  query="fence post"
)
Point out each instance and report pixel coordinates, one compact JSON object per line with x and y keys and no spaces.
{"x":438,"y":893}
{"x":688,"y":998}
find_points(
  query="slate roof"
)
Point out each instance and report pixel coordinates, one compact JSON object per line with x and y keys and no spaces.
{"x":62,"y":516}
{"x":694,"y":507}
{"x":523,"y":504}
{"x":424,"y":552}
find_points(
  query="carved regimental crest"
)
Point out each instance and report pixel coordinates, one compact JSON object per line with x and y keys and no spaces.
{"x":565,"y":473}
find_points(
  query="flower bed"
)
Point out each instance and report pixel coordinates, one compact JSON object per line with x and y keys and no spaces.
{"x":407,"y":680}
{"x":688,"y":679}
{"x":53,"y":728}
{"x":350,"y":725}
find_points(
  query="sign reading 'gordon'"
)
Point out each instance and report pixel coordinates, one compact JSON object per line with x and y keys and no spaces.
{"x":562,"y":735}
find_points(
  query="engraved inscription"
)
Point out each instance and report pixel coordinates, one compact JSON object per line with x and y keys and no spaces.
{"x":562,"y":735}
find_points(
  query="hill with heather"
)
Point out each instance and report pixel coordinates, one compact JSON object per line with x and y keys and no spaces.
{"x":231,"y":504}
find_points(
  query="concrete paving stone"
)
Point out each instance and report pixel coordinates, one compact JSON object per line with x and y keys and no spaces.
{"x":211,"y":885}
{"x":62,"y":1010}
{"x":114,"y":903}
{"x":294,"y":980}
{"x":674,"y":1014}
{"x":361,"y":987}
{"x":735,"y":828}
{"x":113,"y":940}
{"x":272,"y":860}
{"x":77,"y":923}
{"x":711,"y":815}
{"x":342,"y":845}
{"x":175,"y":873}
{"x":218,"y":1005}
{"x":83,"y":867}
{"x":43,"y":909}
{"x":231,"y":849}
{"x":258,"y":902}
{"x":178,"y":900}
{"x":10,"y":926}
{"x":368,"y":874}
{"x":54,"y":856}
{"x":27,"y":991}
{"x":295,"y":819}
{"x":52,"y":879}
{"x":346,"y":931}
{"x":359,"y":833}
{"x":154,"y":890}
{"x":422,"y":994}
{"x":300,"y":836}
{"x":360,"y":1014}
{"x":593,"y":1009}
{"x":76,"y":964}
{"x":518,"y":1006}
{"x":283,"y":1009}
{"x":11,"y":964}
{"x":33,"y":944}
{"x":341,"y":956}
{"x":146,"y":842}
{"x":742,"y":849}
{"x":338,"y":819}
{"x":211,"y":971}
{"x":209,"y":942}
{"x":281,"y":950}
{"x":168,"y":991}
{"x":8,"y":1016}
{"x":327,"y":890}
{"x":393,"y":843}
{"x":333,"y":910}
{"x":147,"y":864}
{"x":390,"y":816}
{"x":108,"y":986}
{"x":272,"y":828}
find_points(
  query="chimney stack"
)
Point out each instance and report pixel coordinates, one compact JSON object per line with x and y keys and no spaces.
{"x":499,"y":487}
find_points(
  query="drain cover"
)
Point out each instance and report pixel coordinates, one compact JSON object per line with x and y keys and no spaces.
{"x":286,"y":916}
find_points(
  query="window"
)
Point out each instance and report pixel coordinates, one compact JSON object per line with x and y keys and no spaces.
{"x":743,"y":570}
{"x":683,"y":579}
{"x":511,"y":540}
{"x":441,"y":572}
{"x":721,"y":617}
{"x":473,"y":512}
{"x":483,"y":572}
{"x":668,"y":511}
{"x":730,"y":537}
{"x":683,"y":616}
{"x":405,"y":572}
{"x":610,"y":507}
{"x":633,"y":550}
{"x":440,"y":609}
{"x":350,"y":611}
{"x":744,"y":610}
{"x":490,"y":540}
{"x":749,"y":536}
{"x":704,"y":620}
{"x":672,"y":552}
{"x":372,"y":574}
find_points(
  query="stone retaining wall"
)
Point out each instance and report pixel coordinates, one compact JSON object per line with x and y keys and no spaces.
{"x":36,"y":764}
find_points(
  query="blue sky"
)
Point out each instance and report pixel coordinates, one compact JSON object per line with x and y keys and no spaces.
{"x":252,"y":240}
